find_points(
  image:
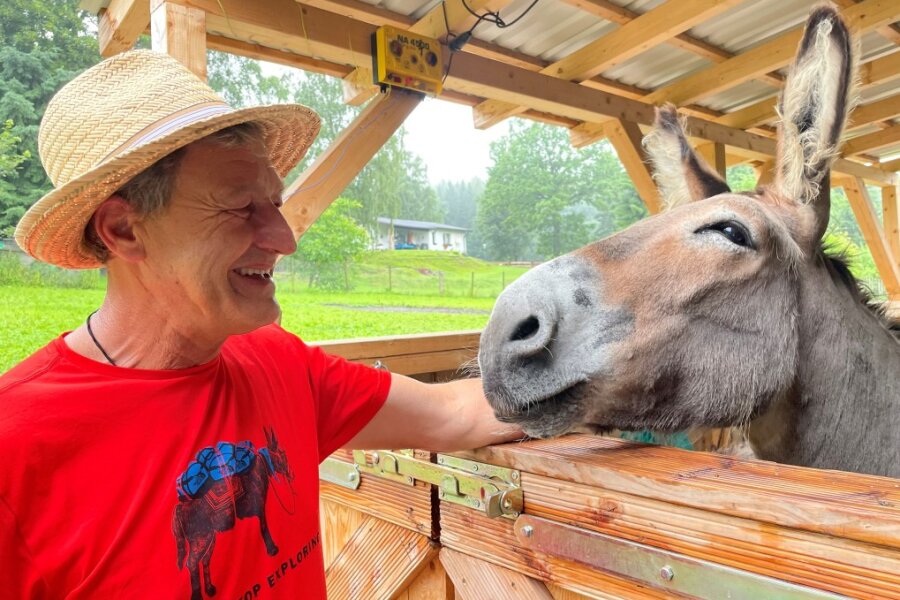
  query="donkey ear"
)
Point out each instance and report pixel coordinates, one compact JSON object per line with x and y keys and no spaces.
{"x":814,"y":105}
{"x":680,"y":174}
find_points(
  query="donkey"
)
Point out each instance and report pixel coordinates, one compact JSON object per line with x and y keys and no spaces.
{"x":197,"y":520}
{"x":722,"y":311}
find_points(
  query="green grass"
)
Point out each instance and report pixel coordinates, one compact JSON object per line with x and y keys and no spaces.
{"x":32,"y":316}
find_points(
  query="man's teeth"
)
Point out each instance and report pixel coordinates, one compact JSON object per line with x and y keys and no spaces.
{"x":257,"y":272}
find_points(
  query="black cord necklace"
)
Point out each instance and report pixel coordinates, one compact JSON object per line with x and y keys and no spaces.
{"x":91,"y":333}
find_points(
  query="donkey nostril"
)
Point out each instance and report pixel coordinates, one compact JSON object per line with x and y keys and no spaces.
{"x":525,"y":329}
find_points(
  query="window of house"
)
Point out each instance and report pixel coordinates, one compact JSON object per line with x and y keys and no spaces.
{"x":446,"y":239}
{"x":434,"y":237}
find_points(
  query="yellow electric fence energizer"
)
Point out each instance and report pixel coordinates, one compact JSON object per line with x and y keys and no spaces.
{"x":407,"y":60}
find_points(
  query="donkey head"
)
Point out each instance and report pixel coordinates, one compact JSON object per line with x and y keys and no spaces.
{"x":278,"y":455}
{"x":691,"y":317}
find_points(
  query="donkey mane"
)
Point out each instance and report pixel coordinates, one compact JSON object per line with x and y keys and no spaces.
{"x":837,"y":263}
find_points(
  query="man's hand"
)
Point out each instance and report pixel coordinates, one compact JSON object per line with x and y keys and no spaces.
{"x":439,"y":417}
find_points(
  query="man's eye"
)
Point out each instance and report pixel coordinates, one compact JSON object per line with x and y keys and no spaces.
{"x":735,"y":233}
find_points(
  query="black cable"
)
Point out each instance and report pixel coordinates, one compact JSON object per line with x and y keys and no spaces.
{"x":494,"y":16}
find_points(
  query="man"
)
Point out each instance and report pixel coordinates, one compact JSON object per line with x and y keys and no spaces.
{"x":139,"y":451}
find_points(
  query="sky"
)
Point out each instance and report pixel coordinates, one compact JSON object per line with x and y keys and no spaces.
{"x":442,"y":133}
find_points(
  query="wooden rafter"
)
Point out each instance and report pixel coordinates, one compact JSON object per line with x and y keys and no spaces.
{"x":891,"y":165}
{"x":332,"y":170}
{"x":605,"y":9}
{"x":890,"y":212}
{"x":770,"y":56}
{"x":872,"y":141}
{"x":121,"y":24}
{"x":633,"y":38}
{"x":872,"y":231}
{"x":714,"y":155}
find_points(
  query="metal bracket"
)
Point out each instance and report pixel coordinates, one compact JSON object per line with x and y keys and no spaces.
{"x":492,"y":490}
{"x":673,"y":572}
{"x":339,"y":473}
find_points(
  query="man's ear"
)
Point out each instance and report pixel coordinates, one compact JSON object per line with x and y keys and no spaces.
{"x":114,"y":222}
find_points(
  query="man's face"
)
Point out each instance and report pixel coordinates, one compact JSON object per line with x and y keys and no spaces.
{"x":211,"y":252}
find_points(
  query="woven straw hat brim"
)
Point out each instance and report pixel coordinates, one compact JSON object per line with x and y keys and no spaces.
{"x":52,"y":230}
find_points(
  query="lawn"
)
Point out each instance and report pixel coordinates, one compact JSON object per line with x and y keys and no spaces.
{"x":32,"y":316}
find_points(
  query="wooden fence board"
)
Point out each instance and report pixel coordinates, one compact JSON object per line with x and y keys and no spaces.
{"x":476,"y":580}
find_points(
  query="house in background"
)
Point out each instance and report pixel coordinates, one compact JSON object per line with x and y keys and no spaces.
{"x":420,"y":234}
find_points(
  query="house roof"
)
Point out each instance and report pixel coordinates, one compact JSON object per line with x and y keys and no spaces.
{"x":424,"y":225}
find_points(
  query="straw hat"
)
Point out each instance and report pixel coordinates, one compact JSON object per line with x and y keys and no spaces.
{"x":118,"y":118}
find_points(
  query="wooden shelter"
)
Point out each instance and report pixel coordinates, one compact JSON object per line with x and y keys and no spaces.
{"x":578,"y":517}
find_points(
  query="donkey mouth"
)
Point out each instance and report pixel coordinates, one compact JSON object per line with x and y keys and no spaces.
{"x":547,"y":416}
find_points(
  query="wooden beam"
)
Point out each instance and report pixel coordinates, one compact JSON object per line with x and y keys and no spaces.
{"x":180,"y":31}
{"x":770,"y":56}
{"x":281,"y":57}
{"x":332,"y":170}
{"x":892,"y":165}
{"x":880,"y":70}
{"x":362,"y":11}
{"x":873,"y":233}
{"x":340,"y":40}
{"x":604,"y":9}
{"x":626,"y":137}
{"x":121,"y":24}
{"x":871,"y":141}
{"x":882,"y":110}
{"x":379,"y":561}
{"x":358,"y":86}
{"x":890,"y":212}
{"x":637,"y":36}
{"x":477,"y":579}
{"x":714,"y":155}
{"x":765,"y":173}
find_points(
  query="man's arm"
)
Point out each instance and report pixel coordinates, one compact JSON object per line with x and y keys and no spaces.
{"x":438,"y":417}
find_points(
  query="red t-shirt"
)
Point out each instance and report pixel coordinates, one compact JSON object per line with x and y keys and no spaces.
{"x":130,"y":483}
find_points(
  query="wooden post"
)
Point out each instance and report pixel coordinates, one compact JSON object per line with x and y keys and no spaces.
{"x":891,"y":219}
{"x":121,"y":24}
{"x":765,"y":173}
{"x":714,"y":155}
{"x":180,"y":31}
{"x":626,"y":139}
{"x":871,"y":229}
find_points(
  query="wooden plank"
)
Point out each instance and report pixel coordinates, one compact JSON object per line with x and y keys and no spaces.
{"x":892,"y":165}
{"x":765,"y":173}
{"x":871,"y":141}
{"x":772,"y":55}
{"x":754,"y":115}
{"x":405,"y":506}
{"x":646,"y":31}
{"x":281,"y":57}
{"x":625,"y":137}
{"x":880,"y":70}
{"x":400,"y":345}
{"x":121,"y":24}
{"x":432,"y":583}
{"x":338,"y":523}
{"x":378,"y":562}
{"x":871,"y":229}
{"x":882,"y":110}
{"x":851,"y":506}
{"x":180,"y":31}
{"x":326,"y":178}
{"x":714,"y":155}
{"x":476,"y":580}
{"x":891,"y":221}
{"x":494,"y":541}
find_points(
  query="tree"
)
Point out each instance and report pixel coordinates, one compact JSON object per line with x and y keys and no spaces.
{"x":459,"y":200}
{"x":330,"y":243}
{"x":544,"y":198}
{"x":43,"y":45}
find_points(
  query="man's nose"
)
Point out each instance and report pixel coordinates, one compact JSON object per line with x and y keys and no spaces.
{"x":273,"y":232}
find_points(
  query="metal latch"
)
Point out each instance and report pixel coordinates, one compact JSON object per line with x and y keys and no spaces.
{"x":492,"y":490}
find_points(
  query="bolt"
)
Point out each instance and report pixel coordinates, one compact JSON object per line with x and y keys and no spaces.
{"x":515,"y":474}
{"x":528,"y":531}
{"x":440,"y":460}
{"x":375,"y":458}
{"x":475,"y":468}
{"x":352,"y":476}
{"x":507,"y":503}
{"x":666,"y":573}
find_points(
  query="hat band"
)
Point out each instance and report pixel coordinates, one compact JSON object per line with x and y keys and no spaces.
{"x":170,"y":123}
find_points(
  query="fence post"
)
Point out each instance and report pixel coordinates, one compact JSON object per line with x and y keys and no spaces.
{"x":390,"y":280}
{"x":441,"y":282}
{"x":472,"y":285}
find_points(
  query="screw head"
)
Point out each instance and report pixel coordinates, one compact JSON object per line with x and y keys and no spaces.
{"x":515,"y":474}
{"x":352,"y":476}
{"x":440,"y":460}
{"x":375,"y":458}
{"x":528,"y":531}
{"x":667,"y":573}
{"x":475,"y":468}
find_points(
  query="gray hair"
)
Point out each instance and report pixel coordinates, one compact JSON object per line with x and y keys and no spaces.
{"x":150,"y":190}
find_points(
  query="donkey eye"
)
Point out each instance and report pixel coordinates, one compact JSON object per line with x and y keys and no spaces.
{"x":735,"y":232}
